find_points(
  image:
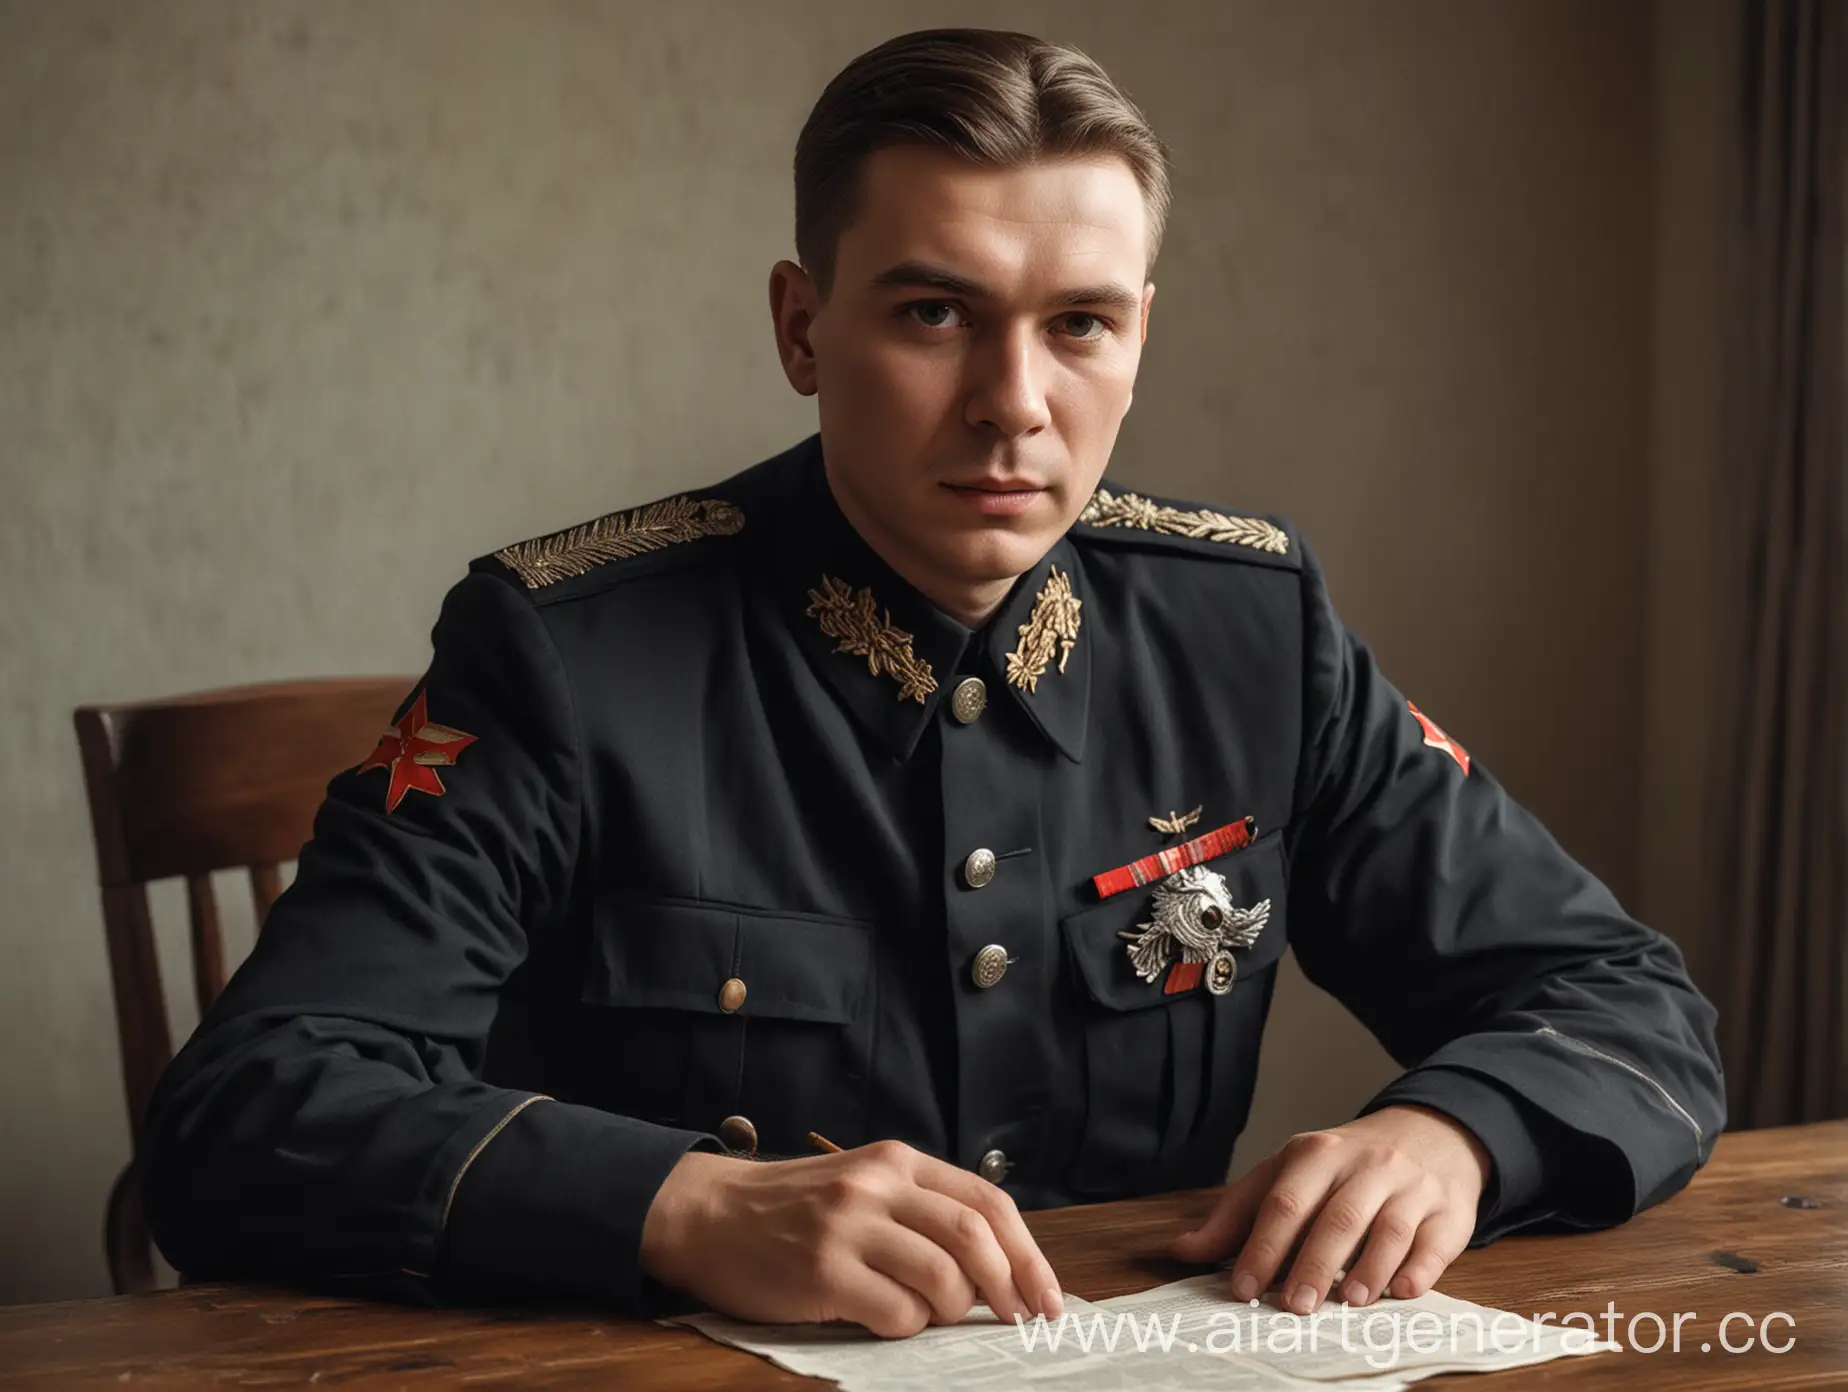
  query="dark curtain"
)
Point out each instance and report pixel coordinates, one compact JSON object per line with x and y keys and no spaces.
{"x":1780,"y":934}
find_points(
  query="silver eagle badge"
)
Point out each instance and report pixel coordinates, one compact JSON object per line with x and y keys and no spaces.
{"x":1193,"y":910}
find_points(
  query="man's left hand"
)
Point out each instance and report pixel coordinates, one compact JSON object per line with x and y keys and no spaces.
{"x":1404,"y":1179}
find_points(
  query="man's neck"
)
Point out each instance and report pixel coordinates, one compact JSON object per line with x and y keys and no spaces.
{"x":970,"y":608}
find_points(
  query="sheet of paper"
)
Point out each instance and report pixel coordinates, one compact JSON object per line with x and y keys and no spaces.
{"x":1072,"y":1355}
{"x":1189,"y":1334}
{"x":1408,"y":1339}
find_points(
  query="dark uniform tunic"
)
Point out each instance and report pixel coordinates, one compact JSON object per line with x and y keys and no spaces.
{"x":702,"y":813}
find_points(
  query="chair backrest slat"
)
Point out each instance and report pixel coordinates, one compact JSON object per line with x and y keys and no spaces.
{"x":141,"y":1009}
{"x":265,"y":889}
{"x":208,"y":948}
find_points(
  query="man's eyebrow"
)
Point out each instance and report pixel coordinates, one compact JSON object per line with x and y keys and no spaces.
{"x":919,"y":275}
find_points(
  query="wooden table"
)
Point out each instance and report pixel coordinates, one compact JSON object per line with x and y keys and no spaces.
{"x":1734,"y":1241}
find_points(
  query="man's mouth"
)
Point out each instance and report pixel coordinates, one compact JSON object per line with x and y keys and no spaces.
{"x":1003,"y":497}
{"x":1003,"y":486}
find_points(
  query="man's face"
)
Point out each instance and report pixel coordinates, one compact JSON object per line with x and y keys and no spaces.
{"x":975,"y":356}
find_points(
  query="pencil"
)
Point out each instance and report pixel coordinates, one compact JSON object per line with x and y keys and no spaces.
{"x":821,"y":1142}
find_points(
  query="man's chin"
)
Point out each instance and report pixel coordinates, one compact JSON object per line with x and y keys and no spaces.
{"x":993,"y":555}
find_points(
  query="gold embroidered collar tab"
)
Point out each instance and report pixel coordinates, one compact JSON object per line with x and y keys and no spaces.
{"x":1042,"y":639}
{"x":1052,"y":624}
{"x":852,"y":616}
{"x":886,"y":651}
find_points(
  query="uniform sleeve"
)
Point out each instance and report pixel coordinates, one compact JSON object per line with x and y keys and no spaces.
{"x":328,"y":1121}
{"x":1521,"y":998}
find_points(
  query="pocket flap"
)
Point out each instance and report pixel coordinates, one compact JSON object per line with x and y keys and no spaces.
{"x":676,"y":954}
{"x":1253,"y":874}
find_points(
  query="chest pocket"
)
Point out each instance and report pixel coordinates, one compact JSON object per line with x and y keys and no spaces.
{"x":1168,"y":1076}
{"x":702,"y":1010}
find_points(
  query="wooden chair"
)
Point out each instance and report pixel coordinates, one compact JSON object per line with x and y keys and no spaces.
{"x":180,"y":788}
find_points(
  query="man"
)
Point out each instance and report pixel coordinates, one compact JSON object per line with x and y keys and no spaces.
{"x":923,"y":792}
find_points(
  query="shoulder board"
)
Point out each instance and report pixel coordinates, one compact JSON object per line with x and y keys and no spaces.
{"x":546,"y":561}
{"x":1117,"y":515}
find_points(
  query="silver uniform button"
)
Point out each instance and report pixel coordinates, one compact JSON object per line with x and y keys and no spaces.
{"x":969,"y":700}
{"x":993,"y":1166}
{"x":991,"y":965}
{"x":979,"y":867}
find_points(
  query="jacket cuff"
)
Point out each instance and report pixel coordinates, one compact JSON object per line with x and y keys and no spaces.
{"x":1512,"y":1133}
{"x":554,"y":1200}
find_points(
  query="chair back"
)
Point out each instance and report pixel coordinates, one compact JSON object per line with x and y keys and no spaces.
{"x":183,"y":787}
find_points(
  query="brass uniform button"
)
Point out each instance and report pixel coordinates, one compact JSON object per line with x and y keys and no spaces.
{"x":979,"y":868}
{"x":969,"y":700}
{"x":731,"y":995}
{"x":993,"y":1166}
{"x":990,"y":965}
{"x":738,"y":1134}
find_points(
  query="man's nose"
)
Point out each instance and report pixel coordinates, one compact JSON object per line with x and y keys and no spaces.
{"x":1010,"y":384}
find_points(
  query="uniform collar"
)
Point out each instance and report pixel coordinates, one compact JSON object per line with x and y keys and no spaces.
{"x":846,"y":606}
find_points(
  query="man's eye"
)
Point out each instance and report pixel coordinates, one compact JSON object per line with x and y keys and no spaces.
{"x":1089,"y":326}
{"x":927,"y":311}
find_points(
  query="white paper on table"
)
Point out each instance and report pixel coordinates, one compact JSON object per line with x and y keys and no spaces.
{"x":1193,"y":1335}
{"x":982,"y":1352}
{"x":1324,"y":1347}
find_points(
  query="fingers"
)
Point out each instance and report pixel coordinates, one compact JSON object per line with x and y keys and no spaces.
{"x":885,"y":1306}
{"x":923,"y":1267}
{"x":1305,"y":1172}
{"x":1388,"y":1242}
{"x":966,"y":1235}
{"x":1033,"y":1274}
{"x":1352,"y":1208}
{"x":1231,"y":1218}
{"x":1439,"y":1242}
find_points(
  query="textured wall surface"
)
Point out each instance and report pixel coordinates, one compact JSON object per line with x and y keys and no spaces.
{"x":304,"y":304}
{"x":1689,"y":550}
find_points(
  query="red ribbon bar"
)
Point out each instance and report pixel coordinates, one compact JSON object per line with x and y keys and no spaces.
{"x":1183,"y":976}
{"x":1234,"y":836}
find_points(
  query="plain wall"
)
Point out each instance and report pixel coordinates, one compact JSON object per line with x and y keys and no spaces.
{"x":1690,"y":550}
{"x":302,"y":305}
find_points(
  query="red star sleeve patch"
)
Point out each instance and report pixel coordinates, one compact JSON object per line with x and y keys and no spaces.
{"x":412,"y":751}
{"x":1437,"y":739}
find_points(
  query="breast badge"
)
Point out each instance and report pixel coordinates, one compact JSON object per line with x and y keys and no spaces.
{"x":1194,"y":917}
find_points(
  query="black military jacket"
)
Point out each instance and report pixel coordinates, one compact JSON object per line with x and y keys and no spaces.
{"x":702,"y":817}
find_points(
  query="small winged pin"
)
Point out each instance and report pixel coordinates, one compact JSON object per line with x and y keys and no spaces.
{"x":1176,"y":822}
{"x":1193,"y":907}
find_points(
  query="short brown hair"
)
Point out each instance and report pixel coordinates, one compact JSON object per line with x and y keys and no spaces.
{"x":992,"y":97}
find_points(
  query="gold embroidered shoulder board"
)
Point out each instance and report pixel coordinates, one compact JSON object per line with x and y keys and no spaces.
{"x":581,"y":549}
{"x":1107,"y":509}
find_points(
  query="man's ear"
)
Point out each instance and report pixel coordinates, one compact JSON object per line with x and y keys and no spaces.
{"x":794,"y":303}
{"x":1148,"y":299}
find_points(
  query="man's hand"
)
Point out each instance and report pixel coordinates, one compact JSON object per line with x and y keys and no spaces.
{"x":884,"y":1236}
{"x":1406,"y":1179}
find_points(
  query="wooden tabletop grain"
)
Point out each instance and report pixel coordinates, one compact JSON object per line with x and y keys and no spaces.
{"x":1762,"y":1231}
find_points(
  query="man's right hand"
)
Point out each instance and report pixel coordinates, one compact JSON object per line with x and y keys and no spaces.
{"x":884,"y":1236}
